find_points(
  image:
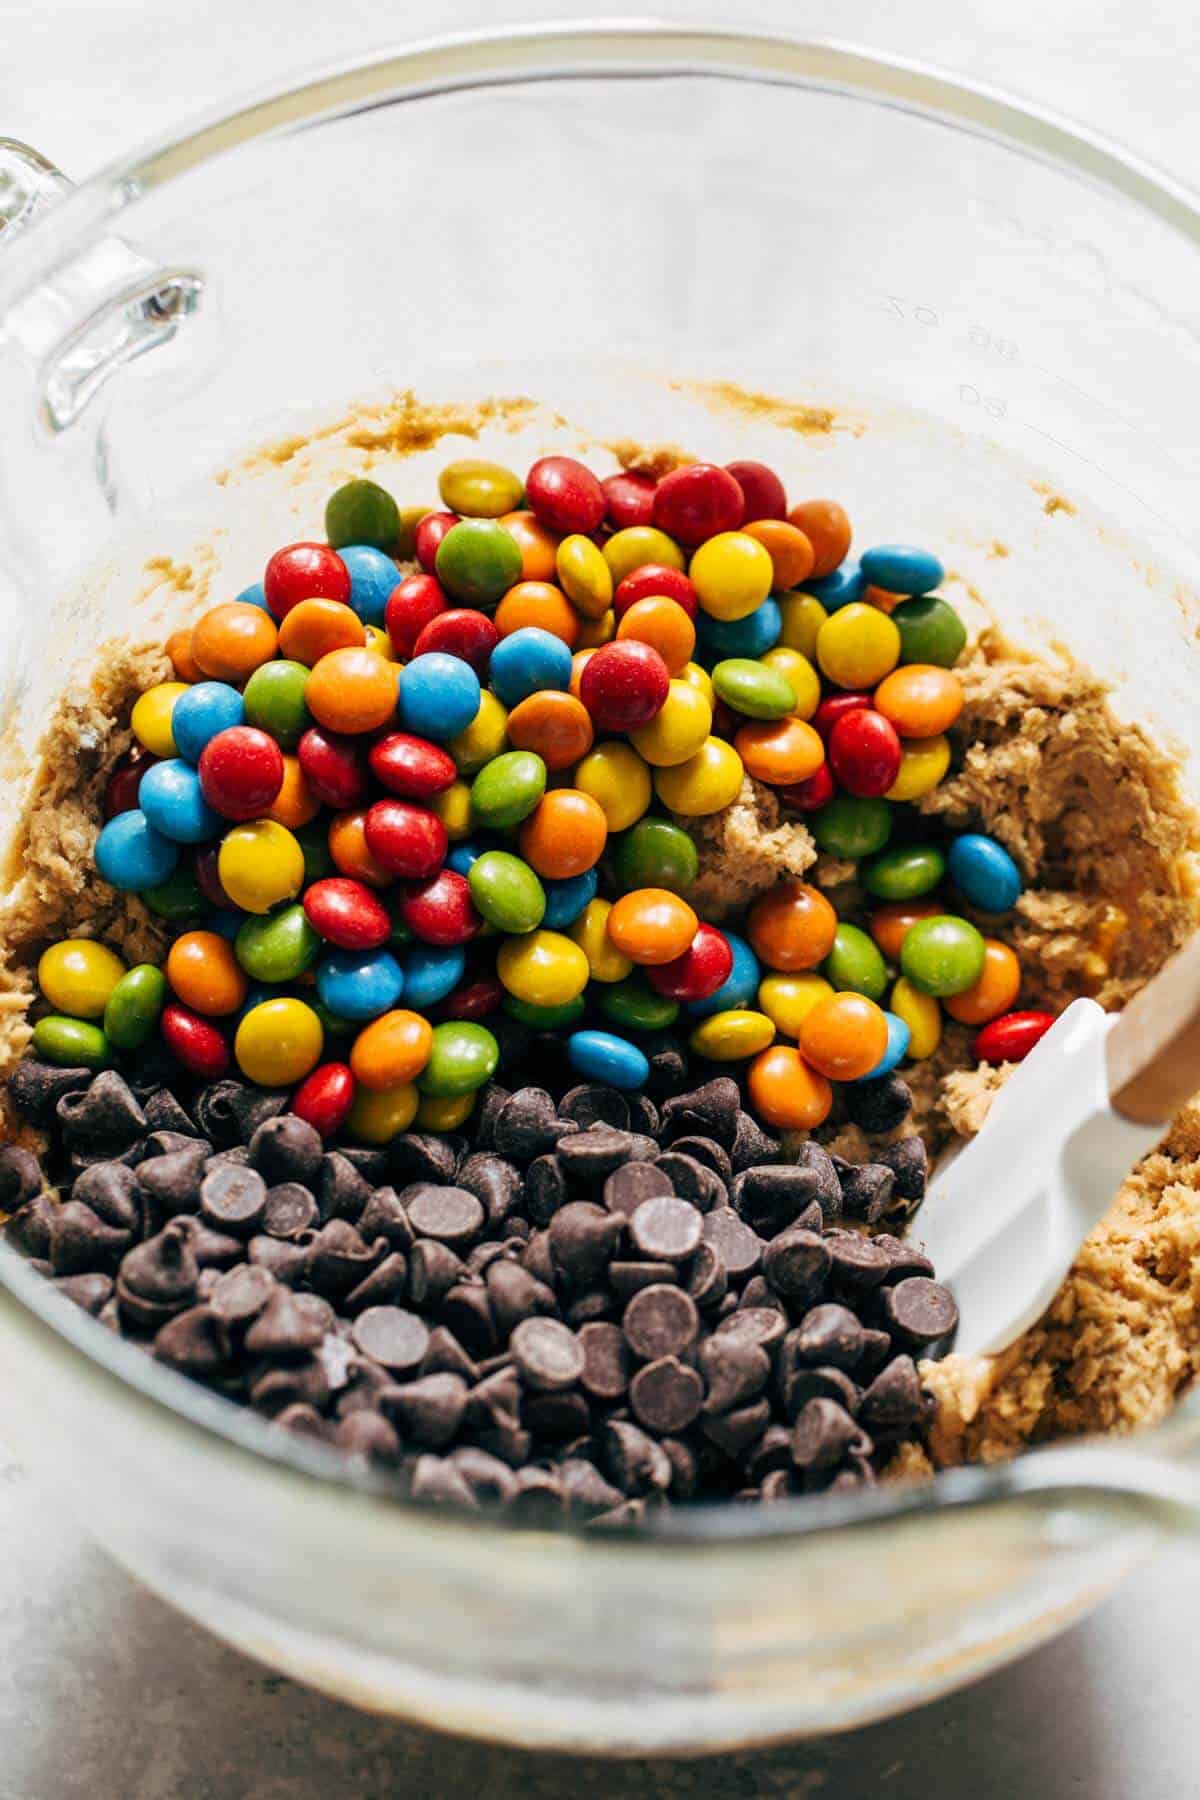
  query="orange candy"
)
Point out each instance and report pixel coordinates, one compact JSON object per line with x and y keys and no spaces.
{"x":179,"y":649}
{"x":348,"y":847}
{"x":537,"y":546}
{"x":827,"y":528}
{"x":880,"y":597}
{"x":994,"y":993}
{"x":352,"y":691}
{"x":791,"y":554}
{"x":844,"y":1037}
{"x":652,"y":925}
{"x":538,"y":603}
{"x":579,"y":663}
{"x":665,"y":626}
{"x":391,"y":1049}
{"x":315,"y":627}
{"x":204,"y":974}
{"x":779,"y":750}
{"x":792,"y":927}
{"x":564,"y":835}
{"x":785,"y":1092}
{"x":920,"y":699}
{"x":295,"y":804}
{"x":557,"y":727}
{"x":233,"y":640}
{"x":890,"y":924}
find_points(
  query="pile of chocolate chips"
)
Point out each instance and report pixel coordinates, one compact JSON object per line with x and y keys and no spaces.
{"x":593,"y":1306}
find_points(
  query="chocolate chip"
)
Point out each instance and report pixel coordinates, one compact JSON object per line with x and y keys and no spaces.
{"x":370,"y":1164}
{"x":528,"y":1125}
{"x":284,"y":1327}
{"x":708,"y":1153}
{"x":285,"y":1260}
{"x":212,"y":1249}
{"x":341,"y":1190}
{"x":765,"y":1326}
{"x":797,"y":1265}
{"x":112,"y":1191}
{"x":239,"y":1296}
{"x":20,"y":1177}
{"x":495,"y":1401}
{"x":165,"y":1143}
{"x":495,"y":1183}
{"x":876,"y":1348}
{"x":288,"y":1209}
{"x":540,"y":1498}
{"x":515,"y":1295}
{"x":878,"y":1106}
{"x":35,"y":1088}
{"x":488,"y":1108}
{"x":582,"y":1240}
{"x":904,"y":1258}
{"x":735,"y":1371}
{"x":587,"y":1492}
{"x":368,"y":1437}
{"x":666,"y":1229}
{"x":918,"y":1311}
{"x":739,"y":1248}
{"x":195,"y":1342}
{"x":433,"y":1269}
{"x":666,"y":1395}
{"x":165,"y":1114}
{"x":735,"y":1432}
{"x":857,"y":1263}
{"x":822,"y":1434}
{"x":693,"y":1181}
{"x":628,"y":1186}
{"x":338,"y":1258}
{"x":237,"y":1155}
{"x":867,"y":1191}
{"x":643,"y":1115}
{"x":90,"y":1292}
{"x":106,"y":1112}
{"x":214,"y":1113}
{"x":481,"y":1256}
{"x":300,"y":1382}
{"x":822,"y":1168}
{"x":589,"y":1157}
{"x":386,"y":1285}
{"x":830,"y":1334}
{"x":436,"y":1479}
{"x":30,"y":1228}
{"x":81,"y":1243}
{"x":909,"y":1162}
{"x":775,"y":1196}
{"x":556,"y":1418}
{"x":391,"y":1336}
{"x":491,"y":1481}
{"x":633,"y":1460}
{"x":171,"y":1184}
{"x":429,"y":1410}
{"x":233,"y":1199}
{"x":467,"y":1311}
{"x":449,"y":1214}
{"x":607,"y":1363}
{"x":421,"y":1156}
{"x":537,"y":1259}
{"x":800,"y":1384}
{"x":545,"y":1188}
{"x":751,"y":1145}
{"x":707,"y":1282}
{"x":773,"y":1451}
{"x":592,"y":1104}
{"x":286,"y":1148}
{"x":586,"y":1309}
{"x":708,"y":1111}
{"x":894,"y":1398}
{"x":661,"y":1321}
{"x":446,"y":1356}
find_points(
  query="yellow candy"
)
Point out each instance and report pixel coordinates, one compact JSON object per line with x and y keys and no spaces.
{"x":543,"y":968}
{"x":858,"y":645}
{"x":443,"y":1112}
{"x":260,"y":864}
{"x":732,"y":575}
{"x":379,"y":1115}
{"x":786,"y":999}
{"x":78,"y":975}
{"x":617,"y":778}
{"x":584,"y":576}
{"x":923,"y":1016}
{"x":698,"y":678}
{"x":729,"y":1036}
{"x":923,"y":763}
{"x":453,"y":808}
{"x":705,"y":783}
{"x":594,"y":632}
{"x":590,"y":932}
{"x":278,"y":1043}
{"x":678,"y":730}
{"x":151,"y":717}
{"x":799,"y":673}
{"x":484,"y":738}
{"x":803,"y":616}
{"x":637,"y":544}
{"x":379,"y":641}
{"x":479,"y":489}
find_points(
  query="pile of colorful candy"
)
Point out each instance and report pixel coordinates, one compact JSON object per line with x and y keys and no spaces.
{"x":380,"y":809}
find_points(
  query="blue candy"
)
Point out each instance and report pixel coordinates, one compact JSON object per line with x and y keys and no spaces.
{"x":463,"y":857}
{"x":567,"y":898}
{"x":131,"y":855}
{"x":439,"y":696}
{"x":752,"y":636}
{"x":528,"y":661}
{"x":980,"y":868}
{"x":740,"y":988}
{"x":839,"y":589}
{"x":431,"y":971}
{"x":901,"y":569}
{"x":602,"y":1056}
{"x":897,"y":1048}
{"x":372,"y":578}
{"x":254,"y":595}
{"x":359,"y":984}
{"x":169,"y":795}
{"x":198,"y":715}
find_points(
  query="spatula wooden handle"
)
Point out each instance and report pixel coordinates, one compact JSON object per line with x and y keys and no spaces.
{"x":1154,"y":1047}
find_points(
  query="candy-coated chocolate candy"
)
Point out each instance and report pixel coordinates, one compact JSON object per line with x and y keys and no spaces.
{"x":619,"y":780}
{"x":844,"y":1037}
{"x":278,"y":1042}
{"x":590,"y":932}
{"x":526,"y":662}
{"x":274,"y":702}
{"x":901,"y":569}
{"x":428,"y":533}
{"x":70,"y":1043}
{"x":943,"y":955}
{"x":732,"y":575}
{"x":539,"y":606}
{"x":585,"y":577}
{"x":483,"y":739}
{"x":173,"y":802}
{"x":411,"y":766}
{"x":854,"y":963}
{"x":565,"y":494}
{"x":655,"y":853}
{"x":629,"y":549}
{"x":565,"y":900}
{"x":923,"y":1016}
{"x":628,"y":499}
{"x":763,"y":493}
{"x":741,"y":985}
{"x":801,"y":617}
{"x":995,"y":991}
{"x":920,"y":699}
{"x":179,"y":648}
{"x":679,"y":731}
{"x":544,"y":968}
{"x":259,"y":864}
{"x":241,"y":771}
{"x":652,"y":925}
{"x":476,"y":999}
{"x":786,"y":1092}
{"x":229,"y":642}
{"x":392,"y":1048}
{"x":624,"y":685}
{"x":443,"y":1112}
{"x":704,"y":966}
{"x":374,"y":577}
{"x":281,"y":946}
{"x":852,"y":827}
{"x":441,"y":911}
{"x":353,"y":690}
{"x":439,"y":696}
{"x":453,"y":808}
{"x":781,"y":752}
{"x":891,"y":924}
{"x":194,"y":1042}
{"x":478,"y":561}
{"x":788,"y":999}
{"x":731,"y":1036}
{"x":905,"y":873}
{"x":408,"y":841}
{"x":545,"y":1018}
{"x":930,"y":631}
{"x":605,"y":1057}
{"x":651,"y":581}
{"x":923,"y":765}
{"x":362,"y":512}
{"x":151,"y":717}
{"x":706,"y":783}
{"x":790,"y":552}
{"x":77,"y":976}
{"x":205,"y":975}
{"x":304,"y":572}
{"x":121,"y":793}
{"x":178,"y":898}
{"x":800,"y":676}
{"x":753,"y":688}
{"x":537,"y":545}
{"x":663,"y":624}
{"x":431,"y":971}
{"x":792,"y":926}
{"x":857,"y":646}
{"x":313,"y":840}
{"x":845,"y":587}
{"x":898,"y":1036}
{"x":634,"y":1006}
{"x":347,"y":914}
{"x":506,"y":891}
{"x":696,"y":502}
{"x":564,"y":835}
{"x":753,"y":635}
{"x":460,"y":631}
{"x":810,"y":795}
{"x":359,"y":984}
{"x":864,"y":753}
{"x":324,"y":1098}
{"x":334,"y":767}
{"x":295,"y":804}
{"x":134,"y":1007}
{"x":412,"y":605}
{"x":315,"y":627}
{"x":378,"y":1118}
{"x":555,"y":726}
{"x":463,"y":857}
{"x":202,"y":711}
{"x":254,"y":595}
{"x":1012,"y":1037}
{"x":131,"y":855}
{"x":508,"y":789}
{"x":463,"y":1056}
{"x":479,"y":489}
{"x":980,"y":868}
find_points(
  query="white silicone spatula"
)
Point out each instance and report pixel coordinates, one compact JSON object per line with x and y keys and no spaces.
{"x":1003,"y":1220}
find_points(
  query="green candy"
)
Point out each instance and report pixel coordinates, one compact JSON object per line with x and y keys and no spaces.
{"x":753,"y":688}
{"x":313,"y":840}
{"x":942,"y":956}
{"x":851,"y":827}
{"x":506,"y":891}
{"x":544,"y":1018}
{"x":277,"y":946}
{"x":634,"y":1004}
{"x":70,"y":1043}
{"x":132,"y":1014}
{"x":463,"y":1057}
{"x":655,"y":853}
{"x":930,"y":631}
{"x":274,"y":701}
{"x":361,"y":512}
{"x":478,"y":561}
{"x":854,"y":965}
{"x":177,"y":898}
{"x":904,"y":873}
{"x":332,"y":1024}
{"x":508,"y":788}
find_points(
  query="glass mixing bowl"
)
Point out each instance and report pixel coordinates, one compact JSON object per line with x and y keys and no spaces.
{"x":986,"y":327}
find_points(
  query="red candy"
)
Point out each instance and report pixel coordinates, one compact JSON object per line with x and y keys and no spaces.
{"x":194,"y":1042}
{"x":347,"y":913}
{"x":332,"y":766}
{"x":810,"y":795}
{"x":411,"y":766}
{"x":324,"y":1099}
{"x":629,"y":499}
{"x":429,"y":534}
{"x":624,"y":685}
{"x":304,"y":572}
{"x":1011,"y":1037}
{"x":121,"y":794}
{"x":864,"y":753}
{"x":463,"y":633}
{"x":704,"y":966}
{"x":207,"y":878}
{"x":472,"y":999}
{"x":241,"y":772}
{"x":408,"y":841}
{"x":650,"y":580}
{"x":698,"y":501}
{"x":762,"y":491}
{"x":411,"y":605}
{"x":441,"y":911}
{"x":831,"y":710}
{"x":564,"y":495}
